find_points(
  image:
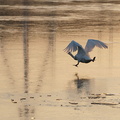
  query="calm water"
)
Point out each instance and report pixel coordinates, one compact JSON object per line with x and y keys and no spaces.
{"x":38,"y":79}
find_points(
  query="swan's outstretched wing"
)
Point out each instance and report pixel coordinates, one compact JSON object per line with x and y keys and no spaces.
{"x":92,"y":43}
{"x":73,"y":46}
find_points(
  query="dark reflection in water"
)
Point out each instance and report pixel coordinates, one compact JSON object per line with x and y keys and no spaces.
{"x":50,"y":51}
{"x":83,"y":85}
{"x":27,"y":112}
{"x":26,"y":55}
{"x":5,"y":60}
{"x":111,"y":45}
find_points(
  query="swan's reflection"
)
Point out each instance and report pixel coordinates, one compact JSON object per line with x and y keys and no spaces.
{"x":83,"y":85}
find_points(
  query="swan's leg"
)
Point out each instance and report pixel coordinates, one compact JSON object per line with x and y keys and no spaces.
{"x":77,"y":64}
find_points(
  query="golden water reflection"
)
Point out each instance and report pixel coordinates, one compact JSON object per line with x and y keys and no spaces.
{"x":38,"y":79}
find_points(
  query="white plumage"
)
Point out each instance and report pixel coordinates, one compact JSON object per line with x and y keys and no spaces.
{"x":83,"y":54}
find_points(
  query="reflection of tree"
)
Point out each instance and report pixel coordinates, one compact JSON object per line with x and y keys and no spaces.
{"x":6,"y":63}
{"x":109,"y":24}
{"x":26,"y":56}
{"x":49,"y":55}
{"x":26,"y":46}
{"x":25,"y":110}
{"x":111,"y":41}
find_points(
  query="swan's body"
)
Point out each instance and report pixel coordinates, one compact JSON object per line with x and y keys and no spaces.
{"x":83,"y":54}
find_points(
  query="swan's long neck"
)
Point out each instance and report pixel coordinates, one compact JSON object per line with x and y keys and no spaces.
{"x":71,"y":55}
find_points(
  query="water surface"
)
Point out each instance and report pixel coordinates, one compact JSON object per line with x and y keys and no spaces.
{"x":38,"y":79}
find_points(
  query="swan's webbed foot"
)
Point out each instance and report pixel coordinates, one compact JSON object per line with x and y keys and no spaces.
{"x":77,"y":64}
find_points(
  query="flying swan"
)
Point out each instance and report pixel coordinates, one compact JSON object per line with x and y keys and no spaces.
{"x":83,"y":54}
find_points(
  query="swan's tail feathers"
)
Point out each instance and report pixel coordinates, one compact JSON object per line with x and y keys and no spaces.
{"x":93,"y":59}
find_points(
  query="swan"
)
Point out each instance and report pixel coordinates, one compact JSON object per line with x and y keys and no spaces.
{"x":83,"y":53}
